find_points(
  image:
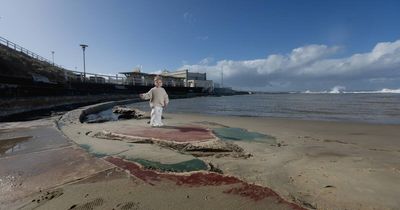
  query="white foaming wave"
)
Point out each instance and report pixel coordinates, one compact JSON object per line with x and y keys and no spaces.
{"x":315,"y":92}
{"x":337,"y":91}
{"x":384,"y":90}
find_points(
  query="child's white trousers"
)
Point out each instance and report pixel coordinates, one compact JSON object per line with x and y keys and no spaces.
{"x":156,"y":113}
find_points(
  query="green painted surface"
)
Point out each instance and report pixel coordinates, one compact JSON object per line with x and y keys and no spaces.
{"x":85,"y":147}
{"x":186,"y":166}
{"x":89,"y":149}
{"x":99,"y":155}
{"x":240,"y":134}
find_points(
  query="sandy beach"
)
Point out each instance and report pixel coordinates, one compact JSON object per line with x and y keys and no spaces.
{"x":207,"y":162}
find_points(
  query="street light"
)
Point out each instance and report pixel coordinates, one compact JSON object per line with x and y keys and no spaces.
{"x":84,"y":65}
{"x":52,"y":55}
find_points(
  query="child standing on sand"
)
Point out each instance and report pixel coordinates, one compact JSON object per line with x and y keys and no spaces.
{"x":158,"y":101}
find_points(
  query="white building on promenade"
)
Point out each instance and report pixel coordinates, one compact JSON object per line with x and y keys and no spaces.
{"x":136,"y":77}
{"x":192,"y":79}
{"x":181,"y":78}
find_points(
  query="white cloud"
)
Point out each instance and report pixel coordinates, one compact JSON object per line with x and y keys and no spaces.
{"x":311,"y":63}
{"x":206,"y":61}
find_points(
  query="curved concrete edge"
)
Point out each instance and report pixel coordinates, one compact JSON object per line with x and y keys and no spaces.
{"x":102,"y":106}
{"x":78,"y":115}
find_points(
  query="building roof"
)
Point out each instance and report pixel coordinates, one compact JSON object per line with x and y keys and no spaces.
{"x":130,"y":73}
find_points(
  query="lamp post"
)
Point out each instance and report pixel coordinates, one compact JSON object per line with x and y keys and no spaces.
{"x":52,"y":55}
{"x":84,"y":64}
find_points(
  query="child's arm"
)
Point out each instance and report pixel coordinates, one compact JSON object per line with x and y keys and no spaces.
{"x":147,"y":96}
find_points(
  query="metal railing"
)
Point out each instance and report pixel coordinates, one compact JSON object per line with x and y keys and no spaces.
{"x":18,"y":48}
{"x":96,"y":78}
{"x":69,"y":74}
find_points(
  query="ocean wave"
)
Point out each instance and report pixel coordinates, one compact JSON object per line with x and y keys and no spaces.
{"x":384,"y":90}
{"x":338,"y":91}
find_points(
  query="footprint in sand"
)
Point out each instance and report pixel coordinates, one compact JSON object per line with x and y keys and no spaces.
{"x":128,"y":206}
{"x":49,"y":195}
{"x":89,"y":205}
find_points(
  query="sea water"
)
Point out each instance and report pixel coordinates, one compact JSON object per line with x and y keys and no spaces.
{"x":357,"y":107}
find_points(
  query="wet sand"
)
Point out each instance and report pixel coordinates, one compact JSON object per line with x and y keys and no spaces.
{"x":235,"y":163}
{"x":36,"y":156}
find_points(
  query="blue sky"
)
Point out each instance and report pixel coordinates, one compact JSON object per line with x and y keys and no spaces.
{"x":260,"y":45}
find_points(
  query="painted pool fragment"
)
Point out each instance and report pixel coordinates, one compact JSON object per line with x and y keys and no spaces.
{"x":234,"y":185}
{"x":240,"y":134}
{"x":185,"y":166}
{"x":88,"y":148}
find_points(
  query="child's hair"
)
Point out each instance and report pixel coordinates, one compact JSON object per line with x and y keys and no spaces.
{"x":156,"y":78}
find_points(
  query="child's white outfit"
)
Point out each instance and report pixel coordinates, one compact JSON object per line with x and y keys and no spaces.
{"x":156,"y":114}
{"x":158,"y":99}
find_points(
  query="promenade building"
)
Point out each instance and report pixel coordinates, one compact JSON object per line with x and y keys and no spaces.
{"x":192,"y":79}
{"x":136,"y":77}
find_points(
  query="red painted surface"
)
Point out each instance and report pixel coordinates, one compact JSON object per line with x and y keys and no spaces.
{"x":251,"y":191}
{"x":169,"y":133}
{"x":257,"y":193}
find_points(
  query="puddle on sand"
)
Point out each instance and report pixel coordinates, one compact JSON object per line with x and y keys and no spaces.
{"x":240,"y":134}
{"x":11,"y":145}
{"x":103,"y":116}
{"x":186,"y":166}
